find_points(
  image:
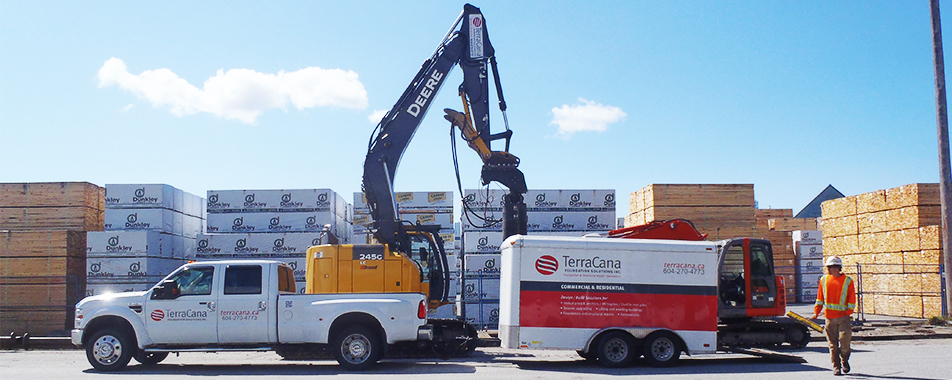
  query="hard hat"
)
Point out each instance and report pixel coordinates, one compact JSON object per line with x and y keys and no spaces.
{"x":834,"y":260}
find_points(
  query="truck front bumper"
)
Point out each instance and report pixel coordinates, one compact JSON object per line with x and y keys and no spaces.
{"x":76,"y":335}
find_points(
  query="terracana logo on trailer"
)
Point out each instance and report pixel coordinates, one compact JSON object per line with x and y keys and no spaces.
{"x":141,"y":198}
{"x":547,"y":265}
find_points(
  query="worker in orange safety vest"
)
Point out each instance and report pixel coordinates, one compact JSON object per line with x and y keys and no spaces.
{"x":837,"y":295}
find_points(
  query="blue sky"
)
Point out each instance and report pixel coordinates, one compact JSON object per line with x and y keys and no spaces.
{"x":789,"y":96}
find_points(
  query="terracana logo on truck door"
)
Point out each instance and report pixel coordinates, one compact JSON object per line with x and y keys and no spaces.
{"x":547,"y":265}
{"x":158,"y":315}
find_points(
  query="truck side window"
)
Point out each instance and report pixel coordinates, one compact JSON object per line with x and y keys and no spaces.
{"x":195,"y":281}
{"x":243,"y":279}
{"x":285,"y":279}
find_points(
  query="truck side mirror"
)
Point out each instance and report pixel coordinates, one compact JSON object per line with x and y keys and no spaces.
{"x":167,"y":290}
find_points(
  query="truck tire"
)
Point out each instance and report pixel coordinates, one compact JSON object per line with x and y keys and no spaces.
{"x":357,"y":348}
{"x":616,"y":349}
{"x":662,"y":349}
{"x":109,"y":350}
{"x":150,"y":358}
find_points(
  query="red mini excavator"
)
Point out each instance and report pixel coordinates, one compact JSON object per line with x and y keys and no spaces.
{"x":751,"y":297}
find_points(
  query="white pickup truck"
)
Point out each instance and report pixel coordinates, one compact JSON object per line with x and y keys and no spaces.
{"x":243,"y":305}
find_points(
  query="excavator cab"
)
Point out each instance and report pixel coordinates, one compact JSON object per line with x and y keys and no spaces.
{"x":747,"y":283}
{"x":426,"y":250}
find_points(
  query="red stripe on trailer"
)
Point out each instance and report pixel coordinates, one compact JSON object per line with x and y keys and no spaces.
{"x":598,"y":310}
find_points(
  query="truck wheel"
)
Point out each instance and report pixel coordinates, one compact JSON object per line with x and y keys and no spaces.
{"x":797,"y":335}
{"x":357,"y":348}
{"x":109,"y":350}
{"x":616,"y":349}
{"x":150,"y":358}
{"x":662,"y":349}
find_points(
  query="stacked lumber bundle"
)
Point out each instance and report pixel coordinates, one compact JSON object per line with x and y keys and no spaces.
{"x":780,"y":240}
{"x":894,"y":235}
{"x":43,"y":253}
{"x":41,"y":278}
{"x":74,"y":206}
{"x":720,"y":211}
{"x":777,"y":225}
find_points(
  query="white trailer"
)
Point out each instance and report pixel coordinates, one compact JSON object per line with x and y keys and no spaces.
{"x":610,"y":299}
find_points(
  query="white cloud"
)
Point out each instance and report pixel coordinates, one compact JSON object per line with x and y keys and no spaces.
{"x":584,"y":116}
{"x":127,"y":108}
{"x":376,"y":116}
{"x":240,"y":94}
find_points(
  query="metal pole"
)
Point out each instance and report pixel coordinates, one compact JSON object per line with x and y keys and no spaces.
{"x":942,"y":121}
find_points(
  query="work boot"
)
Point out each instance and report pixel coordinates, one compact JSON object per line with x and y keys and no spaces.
{"x":846,"y":366}
{"x":836,"y":372}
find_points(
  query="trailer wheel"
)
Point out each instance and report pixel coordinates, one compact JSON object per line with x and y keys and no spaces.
{"x":109,"y":350}
{"x":616,"y":349}
{"x":797,"y":335}
{"x":662,"y":349}
{"x":357,"y":348}
{"x":150,"y":358}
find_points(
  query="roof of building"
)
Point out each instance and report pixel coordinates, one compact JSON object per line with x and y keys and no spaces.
{"x":813,"y":210}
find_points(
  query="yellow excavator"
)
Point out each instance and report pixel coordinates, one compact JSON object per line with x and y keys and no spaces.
{"x":411,"y":257}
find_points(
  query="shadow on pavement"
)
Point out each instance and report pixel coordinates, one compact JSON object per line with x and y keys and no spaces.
{"x":685,"y":366}
{"x":290,"y":369}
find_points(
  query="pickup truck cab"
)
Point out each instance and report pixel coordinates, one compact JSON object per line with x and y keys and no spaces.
{"x":243,"y":305}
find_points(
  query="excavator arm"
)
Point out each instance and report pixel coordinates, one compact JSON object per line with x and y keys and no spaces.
{"x":470,"y":48}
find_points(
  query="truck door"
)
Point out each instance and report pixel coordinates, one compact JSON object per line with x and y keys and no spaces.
{"x":244,"y":307}
{"x":190,"y":317}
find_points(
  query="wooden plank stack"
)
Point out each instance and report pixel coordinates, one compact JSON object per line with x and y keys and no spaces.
{"x":782,"y":251}
{"x":721,"y":211}
{"x":777,"y":225}
{"x":894,"y":235}
{"x":43,"y":253}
